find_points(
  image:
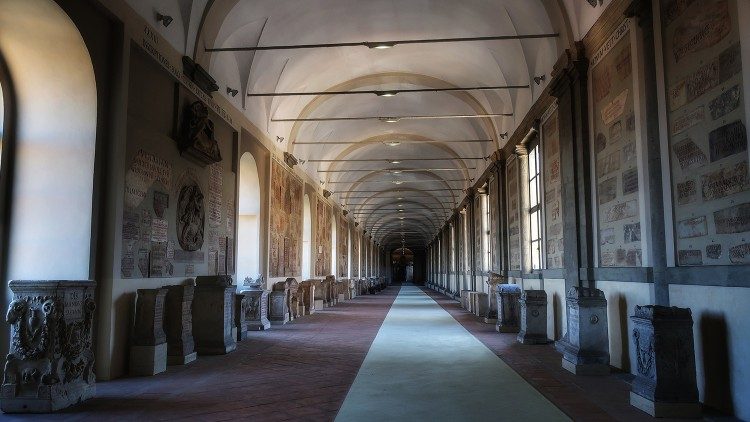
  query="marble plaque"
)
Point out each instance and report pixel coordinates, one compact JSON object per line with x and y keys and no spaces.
{"x":688,"y":120}
{"x":622,"y":211}
{"x":725,"y":103}
{"x":730,"y":62}
{"x":159,"y":230}
{"x":634,"y":258}
{"x":727,"y":140}
{"x":690,"y":257}
{"x":704,"y":79}
{"x":713,"y":251}
{"x":692,"y":227}
{"x":130,"y":225}
{"x":608,"y":190}
{"x":615,"y":108}
{"x":607,"y":236}
{"x":689,"y":154}
{"x":629,"y":181}
{"x":632,"y":232}
{"x":740,"y":254}
{"x":608,"y":164}
{"x":600,"y":143}
{"x":607,"y":259}
{"x":623,"y":64}
{"x":725,"y":181}
{"x":161,"y":203}
{"x":735,"y":219}
{"x":686,"y":192}
{"x":704,"y":27}
{"x":628,"y":153}
{"x":215,"y":194}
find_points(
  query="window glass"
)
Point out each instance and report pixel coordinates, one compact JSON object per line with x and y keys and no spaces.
{"x":535,"y":215}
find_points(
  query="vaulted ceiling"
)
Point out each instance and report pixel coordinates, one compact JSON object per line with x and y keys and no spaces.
{"x":375,"y":167}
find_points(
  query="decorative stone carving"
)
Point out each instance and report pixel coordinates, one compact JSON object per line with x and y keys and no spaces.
{"x":213,"y":316}
{"x":256,"y":312}
{"x":190,"y":222}
{"x":148,"y":342}
{"x":178,"y":324}
{"x":197,"y":140}
{"x":585,"y":347}
{"x":508,"y":309}
{"x":241,"y":304}
{"x":665,"y":383}
{"x":50,"y":364}
{"x":533,"y":317}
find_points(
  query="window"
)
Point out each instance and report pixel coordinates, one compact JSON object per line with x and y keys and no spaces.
{"x":535,"y":209}
{"x":485,"y":198}
{"x":453,"y":249}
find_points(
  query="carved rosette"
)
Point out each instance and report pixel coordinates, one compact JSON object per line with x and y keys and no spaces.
{"x":51,"y":361}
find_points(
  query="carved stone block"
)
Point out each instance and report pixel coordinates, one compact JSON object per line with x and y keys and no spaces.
{"x":50,"y":364}
{"x":148,"y":341}
{"x":307,"y":296}
{"x":256,"y":313}
{"x":178,"y":324}
{"x":508,"y":309}
{"x":533,"y":317}
{"x":585,"y":347}
{"x":240,"y":310}
{"x":665,"y":383}
{"x":278,"y":307}
{"x":481,"y":304}
{"x":213,"y":315}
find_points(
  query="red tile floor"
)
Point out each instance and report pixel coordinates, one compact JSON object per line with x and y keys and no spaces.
{"x":303,"y":370}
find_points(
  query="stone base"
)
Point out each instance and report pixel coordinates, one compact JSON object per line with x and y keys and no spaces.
{"x":148,"y":360}
{"x":666,"y":410}
{"x":266,"y":325}
{"x":507,"y":329}
{"x":57,"y":399}
{"x":592,"y":369}
{"x":182,"y":360}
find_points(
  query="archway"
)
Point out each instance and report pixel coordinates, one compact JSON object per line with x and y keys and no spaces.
{"x":306,"y":237}
{"x":248,"y":227}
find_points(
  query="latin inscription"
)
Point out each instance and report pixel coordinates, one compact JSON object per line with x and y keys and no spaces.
{"x":632,"y":232}
{"x":727,"y":140}
{"x":688,"y":120}
{"x":686,"y":192}
{"x":735,"y":219}
{"x":725,"y":103}
{"x":689,"y":154}
{"x":725,"y":181}
{"x":690,"y":257}
{"x":703,"y":28}
{"x":713,"y":251}
{"x":608,"y":164}
{"x":629,"y":181}
{"x":692,"y":227}
{"x":622,"y":210}
{"x":615,"y":108}
{"x":607,"y":190}
{"x":740,"y":254}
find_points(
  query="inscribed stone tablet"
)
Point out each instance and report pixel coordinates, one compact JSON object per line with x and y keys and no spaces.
{"x":161,"y":203}
{"x":159,"y":230}
{"x":622,"y":210}
{"x":692,"y":227}
{"x":607,"y":236}
{"x":130,"y":225}
{"x":629,"y":181}
{"x":730,"y":62}
{"x":690,"y":257}
{"x":727,"y":140}
{"x":607,"y":190}
{"x":628,"y":153}
{"x":688,"y":120}
{"x":725,"y":103}
{"x":713,"y":251}
{"x":725,"y":181}
{"x":689,"y":154}
{"x":686,"y":192}
{"x":740,"y":254}
{"x":600,"y":143}
{"x":608,"y":164}
{"x":634,"y":258}
{"x":632,"y":232}
{"x":735,"y":219}
{"x":615,"y":132}
{"x":702,"y":28}
{"x":615,"y":108}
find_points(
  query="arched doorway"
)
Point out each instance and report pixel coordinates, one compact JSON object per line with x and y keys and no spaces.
{"x":248,"y":227}
{"x":402,"y":263}
{"x":306,"y":237}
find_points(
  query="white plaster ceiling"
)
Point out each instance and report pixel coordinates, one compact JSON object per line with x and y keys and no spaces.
{"x":200,"y":24}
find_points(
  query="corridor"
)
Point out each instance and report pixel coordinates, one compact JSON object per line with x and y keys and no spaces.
{"x":410,"y":373}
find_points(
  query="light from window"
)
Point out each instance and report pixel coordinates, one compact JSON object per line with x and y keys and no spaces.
{"x":535,"y":209}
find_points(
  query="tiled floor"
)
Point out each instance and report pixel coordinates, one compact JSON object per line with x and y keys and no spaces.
{"x":299,"y":371}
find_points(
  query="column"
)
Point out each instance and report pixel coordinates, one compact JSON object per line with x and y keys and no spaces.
{"x":522,"y":154}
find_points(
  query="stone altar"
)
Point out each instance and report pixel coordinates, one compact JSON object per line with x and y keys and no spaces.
{"x":508,"y":309}
{"x":148,"y":342}
{"x":307,"y":296}
{"x":665,"y":384}
{"x":278,"y":312}
{"x":256,"y":314}
{"x":319,"y":294}
{"x":213,"y":321}
{"x":178,"y":324}
{"x":241,"y":304}
{"x":585,"y":347}
{"x":54,"y":369}
{"x":533,"y":317}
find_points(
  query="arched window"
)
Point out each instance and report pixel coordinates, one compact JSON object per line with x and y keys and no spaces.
{"x":306,"y":237}
{"x":248,"y":222}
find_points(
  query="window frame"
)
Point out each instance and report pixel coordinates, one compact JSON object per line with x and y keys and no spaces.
{"x":535,"y":210}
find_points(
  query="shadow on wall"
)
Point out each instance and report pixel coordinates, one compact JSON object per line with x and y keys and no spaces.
{"x":624,"y":332}
{"x":716,"y":362}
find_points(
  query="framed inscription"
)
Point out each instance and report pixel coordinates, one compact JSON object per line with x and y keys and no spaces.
{"x":615,"y":150}
{"x":708,"y":132}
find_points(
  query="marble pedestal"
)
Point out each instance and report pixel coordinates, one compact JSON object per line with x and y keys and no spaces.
{"x":585,"y":347}
{"x":148,"y":341}
{"x":508,"y":309}
{"x":178,"y":324}
{"x":481,"y":304}
{"x":665,"y":383}
{"x":533,"y":317}
{"x":256,"y":315}
{"x":278,"y":312}
{"x":65,"y":310}
{"x":213,"y":316}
